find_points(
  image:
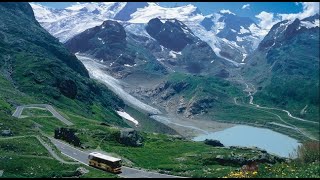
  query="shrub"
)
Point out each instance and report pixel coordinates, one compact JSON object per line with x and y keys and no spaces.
{"x":308,"y":152}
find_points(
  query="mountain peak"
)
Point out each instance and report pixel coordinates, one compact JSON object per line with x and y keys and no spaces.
{"x":24,"y":8}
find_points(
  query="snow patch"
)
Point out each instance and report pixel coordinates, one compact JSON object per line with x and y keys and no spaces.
{"x":174,"y":54}
{"x":243,"y":30}
{"x":162,"y":48}
{"x":244,"y":57}
{"x":128,"y":65}
{"x":309,"y":25}
{"x":128,"y":117}
{"x":239,"y":39}
{"x":182,"y":13}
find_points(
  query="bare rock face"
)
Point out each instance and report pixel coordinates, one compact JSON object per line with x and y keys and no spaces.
{"x":170,"y":34}
{"x":199,"y":106}
{"x":130,"y":137}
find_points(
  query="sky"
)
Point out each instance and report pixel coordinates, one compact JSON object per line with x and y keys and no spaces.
{"x":264,"y":13}
{"x":206,"y":8}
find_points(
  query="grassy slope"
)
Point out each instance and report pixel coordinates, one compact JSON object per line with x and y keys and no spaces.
{"x":202,"y":86}
{"x":293,"y":81}
{"x":36,"y":65}
{"x":225,"y":110}
{"x":25,"y":157}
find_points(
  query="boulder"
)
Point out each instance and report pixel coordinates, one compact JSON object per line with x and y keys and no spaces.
{"x":81,"y":171}
{"x":130,"y":137}
{"x":6,"y":132}
{"x":200,"y":106}
{"x":214,"y":143}
{"x":67,"y":135}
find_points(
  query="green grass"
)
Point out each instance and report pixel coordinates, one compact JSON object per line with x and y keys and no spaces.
{"x":25,"y":157}
{"x":166,"y":154}
{"x":172,"y":155}
{"x":22,"y":146}
{"x":146,"y":123}
{"x":204,"y":85}
{"x":35,"y":112}
{"x":290,"y":170}
{"x":19,"y":127}
{"x":49,"y":124}
{"x":293,"y":82}
{"x":17,"y":166}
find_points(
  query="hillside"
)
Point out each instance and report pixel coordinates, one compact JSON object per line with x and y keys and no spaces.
{"x":285,"y":68}
{"x":36,"y":65}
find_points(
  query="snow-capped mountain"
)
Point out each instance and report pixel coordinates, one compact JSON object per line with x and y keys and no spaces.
{"x":285,"y":66}
{"x":242,"y":32}
{"x":68,"y":22}
{"x":227,"y":38}
{"x":287,"y":29}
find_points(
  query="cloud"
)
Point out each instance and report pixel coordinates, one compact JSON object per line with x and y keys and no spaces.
{"x":267,"y":19}
{"x":246,"y":6}
{"x":226,"y":11}
{"x":309,"y":9}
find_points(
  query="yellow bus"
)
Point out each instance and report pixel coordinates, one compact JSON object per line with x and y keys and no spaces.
{"x":105,"y":162}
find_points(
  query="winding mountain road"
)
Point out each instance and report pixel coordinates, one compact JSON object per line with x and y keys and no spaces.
{"x":55,"y":113}
{"x":78,"y":155}
{"x":251,"y":91}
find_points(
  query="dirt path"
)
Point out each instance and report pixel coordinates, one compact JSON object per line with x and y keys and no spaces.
{"x":251,"y":91}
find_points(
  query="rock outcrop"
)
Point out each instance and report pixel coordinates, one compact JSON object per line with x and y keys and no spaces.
{"x":67,"y":135}
{"x":214,"y":143}
{"x":170,"y":34}
{"x":130,"y":137}
{"x":6,"y":132}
